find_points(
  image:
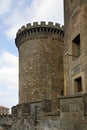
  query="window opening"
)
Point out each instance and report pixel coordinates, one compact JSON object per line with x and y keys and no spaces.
{"x":76,"y":47}
{"x":78,"y":84}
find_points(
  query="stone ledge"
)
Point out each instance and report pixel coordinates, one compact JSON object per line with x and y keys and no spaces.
{"x":81,"y":94}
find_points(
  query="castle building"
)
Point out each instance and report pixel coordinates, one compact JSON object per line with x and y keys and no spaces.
{"x":52,"y":73}
{"x":75,"y":45}
{"x":4,"y":110}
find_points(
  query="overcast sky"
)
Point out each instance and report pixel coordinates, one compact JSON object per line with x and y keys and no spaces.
{"x":14,"y":14}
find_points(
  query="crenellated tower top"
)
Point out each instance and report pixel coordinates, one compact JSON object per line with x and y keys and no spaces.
{"x":31,"y":32}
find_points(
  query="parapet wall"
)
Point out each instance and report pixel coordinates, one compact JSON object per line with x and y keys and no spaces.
{"x":30,"y":32}
{"x":36,"y":115}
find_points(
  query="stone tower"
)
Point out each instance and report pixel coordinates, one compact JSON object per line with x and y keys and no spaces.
{"x":75,"y":45}
{"x":41,"y":79}
{"x":40,"y":62}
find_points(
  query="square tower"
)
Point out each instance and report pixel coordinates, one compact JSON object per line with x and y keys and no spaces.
{"x":75,"y":45}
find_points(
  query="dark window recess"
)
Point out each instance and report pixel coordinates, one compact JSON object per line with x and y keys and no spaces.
{"x":78,"y":84}
{"x":76,"y":47}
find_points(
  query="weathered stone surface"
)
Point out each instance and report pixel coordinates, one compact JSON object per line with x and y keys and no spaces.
{"x":25,"y":108}
{"x":47,"y":106}
{"x":85,"y":104}
{"x":5,"y":122}
{"x":75,"y":24}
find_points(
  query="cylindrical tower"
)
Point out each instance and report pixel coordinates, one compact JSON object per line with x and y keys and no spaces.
{"x":40,"y":61}
{"x":76,"y":45}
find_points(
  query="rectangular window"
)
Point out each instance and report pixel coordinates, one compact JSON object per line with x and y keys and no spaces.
{"x":78,"y":84}
{"x":76,"y":47}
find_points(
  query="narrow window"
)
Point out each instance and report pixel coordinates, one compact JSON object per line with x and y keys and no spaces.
{"x":78,"y":84}
{"x":76,"y":47}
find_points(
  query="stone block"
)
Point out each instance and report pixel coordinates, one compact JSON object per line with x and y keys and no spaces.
{"x":25,"y":108}
{"x":47,"y":106}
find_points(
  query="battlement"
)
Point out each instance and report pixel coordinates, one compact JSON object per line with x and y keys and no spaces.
{"x":30,"y":32}
{"x":42,"y":24}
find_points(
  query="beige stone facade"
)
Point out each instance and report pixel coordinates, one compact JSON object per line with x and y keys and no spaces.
{"x":75,"y":45}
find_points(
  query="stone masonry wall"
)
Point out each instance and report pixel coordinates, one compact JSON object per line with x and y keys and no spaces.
{"x":75,"y":24}
{"x":5,"y":122}
{"x":71,"y":115}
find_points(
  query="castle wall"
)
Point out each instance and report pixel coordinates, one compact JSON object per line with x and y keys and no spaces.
{"x":75,"y":45}
{"x":71,"y":114}
{"x":5,"y":122}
